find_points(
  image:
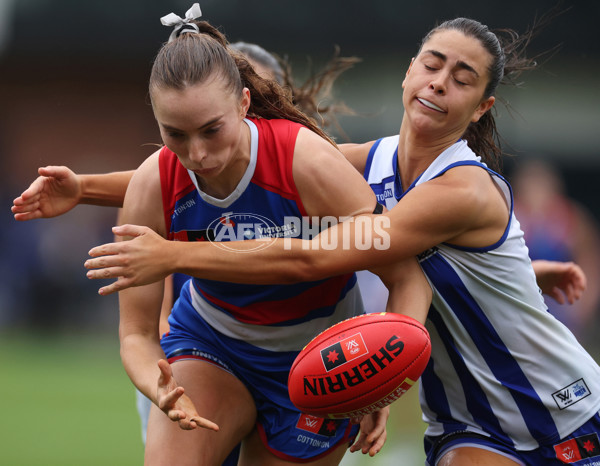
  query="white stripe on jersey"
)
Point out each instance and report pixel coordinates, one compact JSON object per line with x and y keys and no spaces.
{"x":501,"y":364}
{"x":244,"y":182}
{"x":384,"y":168}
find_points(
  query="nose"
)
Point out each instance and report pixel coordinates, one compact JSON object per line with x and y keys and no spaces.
{"x":196,"y":151}
{"x":438,"y":84}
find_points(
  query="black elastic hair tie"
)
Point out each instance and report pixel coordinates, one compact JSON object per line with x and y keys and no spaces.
{"x":378,"y":209}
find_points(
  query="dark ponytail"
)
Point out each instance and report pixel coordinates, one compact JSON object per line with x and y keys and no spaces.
{"x":507,"y":49}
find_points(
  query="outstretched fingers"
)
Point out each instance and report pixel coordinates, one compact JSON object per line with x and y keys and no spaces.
{"x":27,"y":205}
{"x":373,"y":433}
{"x":172,"y":401}
{"x":204,"y":423}
{"x":107,"y":263}
{"x":108,"y":249}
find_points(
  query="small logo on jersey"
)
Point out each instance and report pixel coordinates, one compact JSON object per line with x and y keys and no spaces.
{"x":181,"y":206}
{"x":571,"y":394}
{"x":387,"y":193}
{"x":231,"y":227}
{"x":318,"y":425}
{"x":343,"y":351}
{"x":578,"y":448}
{"x":227,"y":221}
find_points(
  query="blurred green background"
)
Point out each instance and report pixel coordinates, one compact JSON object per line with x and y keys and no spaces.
{"x":73,"y":89}
{"x":66,"y":401}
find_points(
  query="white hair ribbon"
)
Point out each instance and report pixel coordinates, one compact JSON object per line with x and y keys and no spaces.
{"x":182,"y":23}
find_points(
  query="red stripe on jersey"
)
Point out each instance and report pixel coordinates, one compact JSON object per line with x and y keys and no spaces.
{"x":175,"y":183}
{"x":277,"y":139}
{"x":326,"y":294}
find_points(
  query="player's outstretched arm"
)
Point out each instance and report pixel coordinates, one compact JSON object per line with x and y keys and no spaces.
{"x":58,"y":189}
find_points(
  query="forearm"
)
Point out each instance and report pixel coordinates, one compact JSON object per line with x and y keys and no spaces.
{"x":140,"y":355}
{"x":246,"y":264}
{"x":106,"y":189}
{"x":409,"y":291}
{"x":148,"y":257}
{"x":275,"y":261}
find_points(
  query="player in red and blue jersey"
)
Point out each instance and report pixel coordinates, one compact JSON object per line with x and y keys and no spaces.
{"x":240,"y":162}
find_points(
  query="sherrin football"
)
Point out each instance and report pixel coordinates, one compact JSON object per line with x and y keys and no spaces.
{"x":359,"y":365}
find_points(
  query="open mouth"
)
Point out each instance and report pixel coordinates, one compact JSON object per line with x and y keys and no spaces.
{"x":430,"y":105}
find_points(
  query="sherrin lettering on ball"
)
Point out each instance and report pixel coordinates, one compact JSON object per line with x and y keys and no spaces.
{"x":359,"y":365}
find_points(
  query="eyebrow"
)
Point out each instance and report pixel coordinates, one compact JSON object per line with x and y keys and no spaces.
{"x":208,"y":123}
{"x":460,"y":63}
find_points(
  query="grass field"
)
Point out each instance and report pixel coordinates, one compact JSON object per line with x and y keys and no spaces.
{"x":66,"y":401}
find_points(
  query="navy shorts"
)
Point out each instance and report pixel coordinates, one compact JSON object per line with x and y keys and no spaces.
{"x":580,"y":448}
{"x":286,"y":432}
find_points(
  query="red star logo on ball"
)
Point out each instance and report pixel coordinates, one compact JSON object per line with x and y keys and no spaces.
{"x":332,"y":356}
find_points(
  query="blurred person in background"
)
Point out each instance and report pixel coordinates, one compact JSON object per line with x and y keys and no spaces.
{"x":559,"y":228}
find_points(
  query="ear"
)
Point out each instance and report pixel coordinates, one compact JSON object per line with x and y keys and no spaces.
{"x":245,"y":102}
{"x":483,"y":107}
{"x":412,"y":60}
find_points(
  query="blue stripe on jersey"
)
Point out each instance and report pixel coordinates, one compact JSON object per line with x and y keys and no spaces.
{"x":397,"y":181}
{"x":504,"y":367}
{"x":370,"y":158}
{"x":381,"y":192}
{"x":435,"y":395}
{"x":448,"y":167}
{"x":258,"y":201}
{"x":476,"y":400}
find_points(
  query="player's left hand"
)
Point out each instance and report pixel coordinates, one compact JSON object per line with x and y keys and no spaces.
{"x":373,"y":433}
{"x":140,"y":261}
{"x":562,"y":281}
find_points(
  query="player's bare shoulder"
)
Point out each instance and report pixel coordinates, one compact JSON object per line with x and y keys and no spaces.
{"x":143,"y":200}
{"x":326,"y":181}
{"x":357,"y":154}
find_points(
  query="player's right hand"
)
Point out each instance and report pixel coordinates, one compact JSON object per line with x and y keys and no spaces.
{"x":175,"y":404}
{"x":56,"y":191}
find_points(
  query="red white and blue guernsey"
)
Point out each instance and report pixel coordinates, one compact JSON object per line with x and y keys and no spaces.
{"x":255,"y":331}
{"x":501,"y":365}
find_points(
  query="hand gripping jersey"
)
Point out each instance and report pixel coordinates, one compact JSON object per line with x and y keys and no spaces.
{"x":265,"y":204}
{"x":501,"y":365}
